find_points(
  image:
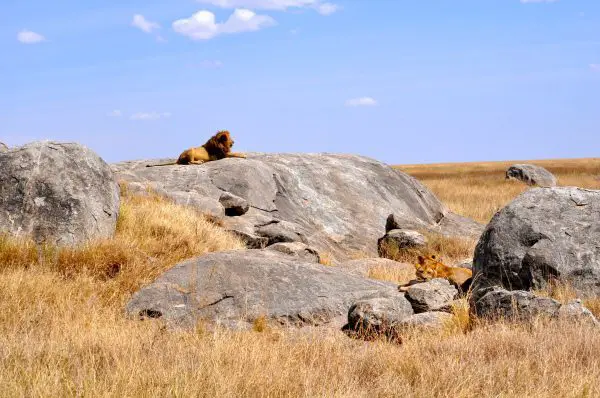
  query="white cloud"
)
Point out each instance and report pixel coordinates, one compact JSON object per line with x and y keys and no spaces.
{"x":203,"y":26}
{"x":277,"y":5}
{"x":327,"y":8}
{"x":361,"y":101}
{"x":595,"y":67}
{"x":538,"y":1}
{"x":115,"y":113}
{"x":140,"y":22}
{"x":29,"y":37}
{"x":150,"y":115}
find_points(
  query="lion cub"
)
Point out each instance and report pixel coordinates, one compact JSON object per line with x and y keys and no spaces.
{"x":429,"y":268}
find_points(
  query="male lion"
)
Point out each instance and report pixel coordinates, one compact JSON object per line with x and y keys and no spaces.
{"x":430,"y":267}
{"x":217,"y":147}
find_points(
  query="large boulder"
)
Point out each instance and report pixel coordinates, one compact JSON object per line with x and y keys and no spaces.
{"x":235,"y":288}
{"x":531,"y":174}
{"x":337,"y":204}
{"x":377,"y":315}
{"x":434,"y":295}
{"x":59,"y":193}
{"x":545,"y":233}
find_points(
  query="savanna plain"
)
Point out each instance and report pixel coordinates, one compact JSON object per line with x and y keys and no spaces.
{"x":63,"y":331}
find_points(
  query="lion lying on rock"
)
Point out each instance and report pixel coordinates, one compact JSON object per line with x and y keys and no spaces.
{"x":430,"y":267}
{"x":217,"y":147}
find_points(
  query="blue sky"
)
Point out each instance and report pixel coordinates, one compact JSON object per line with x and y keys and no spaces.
{"x":400,"y":81}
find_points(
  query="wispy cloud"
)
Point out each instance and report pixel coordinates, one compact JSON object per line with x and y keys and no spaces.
{"x":29,"y":37}
{"x":150,"y":115}
{"x":115,"y":113}
{"x":361,"y":101}
{"x":595,"y":67}
{"x":140,"y":22}
{"x":276,"y":5}
{"x":539,"y":1}
{"x":203,"y":26}
{"x":208,"y":64}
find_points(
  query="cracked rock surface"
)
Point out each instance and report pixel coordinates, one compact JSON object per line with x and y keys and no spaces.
{"x":235,"y":287}
{"x":60,"y":193}
{"x":336,"y":203}
{"x":545,"y":233}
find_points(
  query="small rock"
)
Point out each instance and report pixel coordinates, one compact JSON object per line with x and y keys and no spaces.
{"x":435,"y":295}
{"x":280,"y":231}
{"x":531,"y":175}
{"x":297,"y":249}
{"x":575,"y":309}
{"x":3,"y":147}
{"x":466,"y":263}
{"x":234,"y":205}
{"x":426,"y":320}
{"x":398,"y":239}
{"x":373,"y":317}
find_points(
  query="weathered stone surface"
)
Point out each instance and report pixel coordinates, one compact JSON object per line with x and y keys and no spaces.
{"x":235,"y":287}
{"x":531,"y":175}
{"x":466,"y":263}
{"x":434,"y":295}
{"x":402,"y":272}
{"x":519,"y":305}
{"x":450,"y":225}
{"x":340,"y":203}
{"x":426,"y":320}
{"x":545,"y":233}
{"x":377,"y":315}
{"x":234,"y":205}
{"x":297,"y":249}
{"x":400,"y":239}
{"x":60,"y":193}
{"x":3,"y":147}
{"x":281,"y":231}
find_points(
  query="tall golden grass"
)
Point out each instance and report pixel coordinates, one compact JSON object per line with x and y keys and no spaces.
{"x":479,"y":190}
{"x":63,"y":331}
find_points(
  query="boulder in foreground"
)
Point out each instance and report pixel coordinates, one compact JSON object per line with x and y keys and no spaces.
{"x":58,"y":193}
{"x":235,"y":288}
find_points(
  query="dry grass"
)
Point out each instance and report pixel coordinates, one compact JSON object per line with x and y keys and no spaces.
{"x":479,"y":190}
{"x":63,"y":331}
{"x":448,"y":249}
{"x":400,"y":273}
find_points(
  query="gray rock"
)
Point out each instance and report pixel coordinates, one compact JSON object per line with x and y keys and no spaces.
{"x":59,"y":193}
{"x":233,"y":288}
{"x":281,"y":231}
{"x":377,"y":316}
{"x":531,"y":175}
{"x":297,"y":249}
{"x":204,"y":205}
{"x":426,"y":320}
{"x":3,"y":147}
{"x":466,"y":263}
{"x":435,"y":295}
{"x":340,"y":203}
{"x":449,"y":225}
{"x":519,"y":305}
{"x":234,"y":205}
{"x":545,"y":233}
{"x":403,"y":239}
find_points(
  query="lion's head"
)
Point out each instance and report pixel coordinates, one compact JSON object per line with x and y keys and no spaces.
{"x":219,"y":145}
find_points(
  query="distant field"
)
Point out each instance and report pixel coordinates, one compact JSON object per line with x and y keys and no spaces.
{"x":63,"y":332}
{"x":478,"y":190}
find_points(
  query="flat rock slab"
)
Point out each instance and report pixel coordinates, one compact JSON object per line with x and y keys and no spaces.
{"x":234,"y":288}
{"x":337,"y":204}
{"x":545,"y":233}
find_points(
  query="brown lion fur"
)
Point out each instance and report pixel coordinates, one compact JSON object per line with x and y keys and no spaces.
{"x":217,"y":147}
{"x":431,"y":267}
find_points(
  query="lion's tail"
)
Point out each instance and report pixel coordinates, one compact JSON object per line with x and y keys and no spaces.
{"x":162,"y":164}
